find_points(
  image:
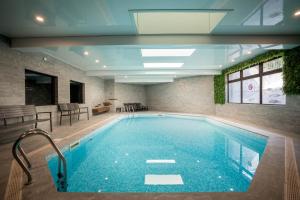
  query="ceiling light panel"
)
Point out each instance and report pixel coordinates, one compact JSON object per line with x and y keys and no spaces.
{"x":167,"y":52}
{"x":177,"y":22}
{"x":163,"y":65}
{"x":143,"y":79}
{"x":160,"y":73}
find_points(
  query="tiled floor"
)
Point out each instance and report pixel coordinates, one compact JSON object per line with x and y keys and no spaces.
{"x":267,"y":184}
{"x":31,"y":144}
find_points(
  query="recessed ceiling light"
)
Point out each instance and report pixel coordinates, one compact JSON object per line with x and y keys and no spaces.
{"x":167,"y":52}
{"x":96,"y":61}
{"x":86,"y":53}
{"x":249,"y":52}
{"x":220,"y":66}
{"x":158,"y":73}
{"x":104,"y":66}
{"x":297,"y":13}
{"x":163,"y":65}
{"x":39,"y":19}
{"x":232,"y":60}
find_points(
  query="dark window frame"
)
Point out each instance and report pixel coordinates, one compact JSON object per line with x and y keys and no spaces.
{"x":54,"y":85}
{"x":82,"y":88}
{"x":259,"y":75}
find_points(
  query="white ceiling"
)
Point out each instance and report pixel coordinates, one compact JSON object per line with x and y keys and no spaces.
{"x":112,"y":17}
{"x":115,"y":61}
{"x":116,"y":18}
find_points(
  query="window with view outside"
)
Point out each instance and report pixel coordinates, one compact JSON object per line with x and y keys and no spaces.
{"x":233,"y":76}
{"x":261,"y":84}
{"x":235,"y":92}
{"x":272,"y":91}
{"x":251,"y":71}
{"x":273,"y":65}
{"x":251,"y":88}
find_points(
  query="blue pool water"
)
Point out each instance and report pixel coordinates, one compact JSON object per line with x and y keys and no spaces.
{"x":203,"y":155}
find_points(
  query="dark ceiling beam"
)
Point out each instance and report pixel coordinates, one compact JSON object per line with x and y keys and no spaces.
{"x":154,"y":40}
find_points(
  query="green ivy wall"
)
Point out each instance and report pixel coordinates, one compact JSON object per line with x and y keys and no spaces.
{"x":291,"y":72}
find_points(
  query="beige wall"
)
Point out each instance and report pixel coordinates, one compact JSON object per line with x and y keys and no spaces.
{"x":192,"y":95}
{"x":12,"y":79}
{"x":124,"y":93}
{"x":283,"y":117}
{"x":189,"y":95}
{"x":129,"y":93}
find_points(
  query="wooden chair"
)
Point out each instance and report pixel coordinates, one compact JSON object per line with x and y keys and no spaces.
{"x":27,"y":114}
{"x":80,"y":110}
{"x":65,"y":111}
{"x":71,"y":109}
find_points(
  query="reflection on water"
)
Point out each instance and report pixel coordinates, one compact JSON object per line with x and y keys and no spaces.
{"x":208,"y":156}
{"x":241,"y":158}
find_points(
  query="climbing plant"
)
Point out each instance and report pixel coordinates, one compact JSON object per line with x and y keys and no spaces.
{"x":219,"y":86}
{"x":291,"y":72}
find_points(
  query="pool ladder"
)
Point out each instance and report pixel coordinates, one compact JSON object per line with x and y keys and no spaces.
{"x":62,"y":175}
{"x":131,"y":110}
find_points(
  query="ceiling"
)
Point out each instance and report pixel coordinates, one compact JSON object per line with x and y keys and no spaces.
{"x":112,"y":17}
{"x":61,"y":18}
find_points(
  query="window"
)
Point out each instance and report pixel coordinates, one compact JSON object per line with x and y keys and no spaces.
{"x":260,"y":84}
{"x":251,"y":89}
{"x":273,"y":65}
{"x":40,"y":89}
{"x":251,"y":71}
{"x":234,"y":76}
{"x":241,"y":158}
{"x":272,"y":89}
{"x":76,"y":92}
{"x":235,"y":92}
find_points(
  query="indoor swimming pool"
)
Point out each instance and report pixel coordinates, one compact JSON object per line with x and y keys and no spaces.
{"x":162,"y":153}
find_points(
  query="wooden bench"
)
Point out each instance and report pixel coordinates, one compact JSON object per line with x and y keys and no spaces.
{"x":71,"y":109}
{"x":100,"y":109}
{"x":19,"y":116}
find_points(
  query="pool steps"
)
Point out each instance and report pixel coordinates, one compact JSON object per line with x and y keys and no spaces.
{"x":75,"y":144}
{"x":162,"y":179}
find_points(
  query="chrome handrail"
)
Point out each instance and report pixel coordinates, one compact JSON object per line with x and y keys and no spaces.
{"x":132,"y":108}
{"x":62,"y":159}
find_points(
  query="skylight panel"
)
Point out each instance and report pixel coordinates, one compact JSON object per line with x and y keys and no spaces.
{"x":160,"y":73}
{"x":163,"y":65}
{"x":167,"y":52}
{"x":177,"y":22}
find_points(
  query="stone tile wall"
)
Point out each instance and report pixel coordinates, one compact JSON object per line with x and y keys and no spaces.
{"x":12,"y":79}
{"x":283,"y":117}
{"x":124,"y":93}
{"x":189,"y":95}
